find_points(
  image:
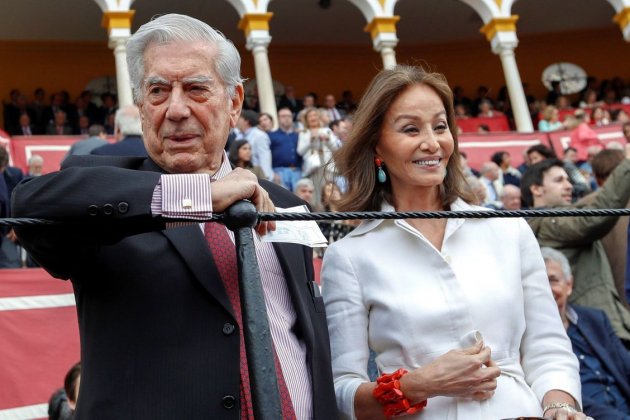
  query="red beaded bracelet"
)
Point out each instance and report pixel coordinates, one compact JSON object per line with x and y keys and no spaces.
{"x":388,"y":393}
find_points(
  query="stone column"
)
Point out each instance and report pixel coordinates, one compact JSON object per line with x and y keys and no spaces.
{"x":118,"y":25}
{"x":384,"y":40}
{"x":501,"y":32}
{"x":623,"y":20}
{"x":256,"y":28}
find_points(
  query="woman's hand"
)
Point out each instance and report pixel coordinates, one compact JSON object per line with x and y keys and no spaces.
{"x":564,"y":414}
{"x":467,"y":373}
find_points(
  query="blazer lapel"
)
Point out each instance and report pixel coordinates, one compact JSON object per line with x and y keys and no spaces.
{"x":291,"y":260}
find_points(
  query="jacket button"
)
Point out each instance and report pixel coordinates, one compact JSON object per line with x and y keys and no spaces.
{"x":108,"y":209}
{"x":123,"y":207}
{"x":228,"y":402}
{"x":92,"y":210}
{"x":228,"y":328}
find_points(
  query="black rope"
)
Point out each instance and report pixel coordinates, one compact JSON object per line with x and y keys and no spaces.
{"x":330,"y":216}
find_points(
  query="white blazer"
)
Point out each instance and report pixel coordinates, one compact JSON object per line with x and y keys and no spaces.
{"x":388,"y":288}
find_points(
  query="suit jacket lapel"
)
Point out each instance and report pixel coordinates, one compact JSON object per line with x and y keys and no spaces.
{"x":192,"y":247}
{"x":291,"y":260}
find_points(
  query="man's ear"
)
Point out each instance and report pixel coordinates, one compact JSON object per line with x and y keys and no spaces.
{"x":236,"y":104}
{"x":569,"y":285}
{"x":536,"y":190}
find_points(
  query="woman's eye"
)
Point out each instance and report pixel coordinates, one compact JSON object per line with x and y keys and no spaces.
{"x":410,"y":129}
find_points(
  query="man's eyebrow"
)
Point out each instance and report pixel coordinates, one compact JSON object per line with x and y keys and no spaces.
{"x":198,"y":79}
{"x":153,"y":80}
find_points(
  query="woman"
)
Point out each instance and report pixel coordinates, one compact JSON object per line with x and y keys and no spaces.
{"x":551,"y":120}
{"x":240,"y":156}
{"x":316,"y":143}
{"x":463,"y":305}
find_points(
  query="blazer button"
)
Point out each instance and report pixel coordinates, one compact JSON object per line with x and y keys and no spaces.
{"x":228,"y":402}
{"x":108,"y":209}
{"x":228,"y":328}
{"x":92,"y":210}
{"x":123,"y":207}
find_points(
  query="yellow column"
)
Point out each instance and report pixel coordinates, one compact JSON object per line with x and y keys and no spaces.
{"x":501,"y":32}
{"x":118,"y":25}
{"x":623,"y":20}
{"x":383,"y":32}
{"x":256,"y":28}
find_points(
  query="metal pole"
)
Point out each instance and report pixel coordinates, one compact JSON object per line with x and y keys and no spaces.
{"x":240,"y":217}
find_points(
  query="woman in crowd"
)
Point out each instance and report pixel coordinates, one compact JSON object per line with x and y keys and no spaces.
{"x":550,"y":120}
{"x":426,"y":295}
{"x":240,"y":156}
{"x":316,"y":143}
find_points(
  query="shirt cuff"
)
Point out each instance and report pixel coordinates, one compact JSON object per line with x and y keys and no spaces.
{"x":183,"y":196}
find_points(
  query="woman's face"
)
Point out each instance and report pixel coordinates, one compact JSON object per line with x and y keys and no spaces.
{"x":245,"y":153}
{"x":312,"y":119}
{"x":416,"y":142}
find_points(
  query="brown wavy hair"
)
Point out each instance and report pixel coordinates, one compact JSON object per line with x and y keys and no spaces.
{"x":355,"y":160}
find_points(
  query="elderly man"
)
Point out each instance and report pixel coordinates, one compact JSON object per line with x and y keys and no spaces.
{"x":510,"y":197}
{"x":128,"y":132}
{"x":158,"y":302}
{"x":604,"y":361}
{"x":546,"y":184}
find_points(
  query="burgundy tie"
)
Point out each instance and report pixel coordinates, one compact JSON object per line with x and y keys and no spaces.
{"x":224,"y":255}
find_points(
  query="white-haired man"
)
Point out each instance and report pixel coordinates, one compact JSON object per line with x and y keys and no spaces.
{"x":128,"y":132}
{"x":604,"y":361}
{"x":158,"y":302}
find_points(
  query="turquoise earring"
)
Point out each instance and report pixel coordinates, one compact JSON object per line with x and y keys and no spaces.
{"x":380,"y":173}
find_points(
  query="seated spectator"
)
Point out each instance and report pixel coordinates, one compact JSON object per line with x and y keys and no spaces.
{"x":35,"y":165}
{"x":563,"y":103}
{"x":551,"y":120}
{"x":461,"y":111}
{"x":60,"y":125}
{"x":128,"y":135}
{"x":96,"y":138}
{"x":305,"y":189}
{"x":604,"y":361}
{"x":483,"y":128}
{"x":508,"y":174}
{"x":240,"y":155}
{"x":510,"y":197}
{"x":546,"y":185}
{"x":25,"y":127}
{"x":489,"y":177}
{"x":9,"y":178}
{"x":63,"y":402}
{"x":619,"y":115}
{"x":599,"y":117}
{"x":288,"y":100}
{"x":265,"y":122}
{"x":538,"y":153}
{"x":589,"y":99}
{"x":478,"y":190}
{"x":583,"y":136}
{"x":486,"y":110}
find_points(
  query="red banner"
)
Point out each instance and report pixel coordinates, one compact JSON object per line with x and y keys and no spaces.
{"x":39,"y":340}
{"x":471,"y":125}
{"x":480,"y":147}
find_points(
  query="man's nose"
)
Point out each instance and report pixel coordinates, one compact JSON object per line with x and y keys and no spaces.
{"x":178,"y":108}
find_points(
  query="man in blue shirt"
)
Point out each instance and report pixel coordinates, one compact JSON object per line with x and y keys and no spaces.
{"x":287,"y":164}
{"x":604,"y":361}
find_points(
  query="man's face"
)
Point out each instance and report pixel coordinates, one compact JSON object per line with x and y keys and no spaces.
{"x":561,"y":287}
{"x":305,"y":193}
{"x":555,"y":189}
{"x":511,"y":198}
{"x":186,"y":112}
{"x":330,"y":101}
{"x":265,"y":123}
{"x":285,"y":119}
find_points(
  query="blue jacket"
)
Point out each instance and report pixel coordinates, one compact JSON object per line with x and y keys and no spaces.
{"x":594,"y":325}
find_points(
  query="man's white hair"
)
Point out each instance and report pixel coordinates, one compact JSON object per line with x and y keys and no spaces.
{"x":550,"y":254}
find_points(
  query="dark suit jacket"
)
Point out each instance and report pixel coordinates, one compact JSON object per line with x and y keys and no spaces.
{"x":151,"y":305}
{"x":128,"y":146}
{"x":595,"y":327}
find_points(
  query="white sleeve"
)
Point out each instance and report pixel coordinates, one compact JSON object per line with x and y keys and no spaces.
{"x":547,"y":358}
{"x":304,"y":142}
{"x":347,"y":318}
